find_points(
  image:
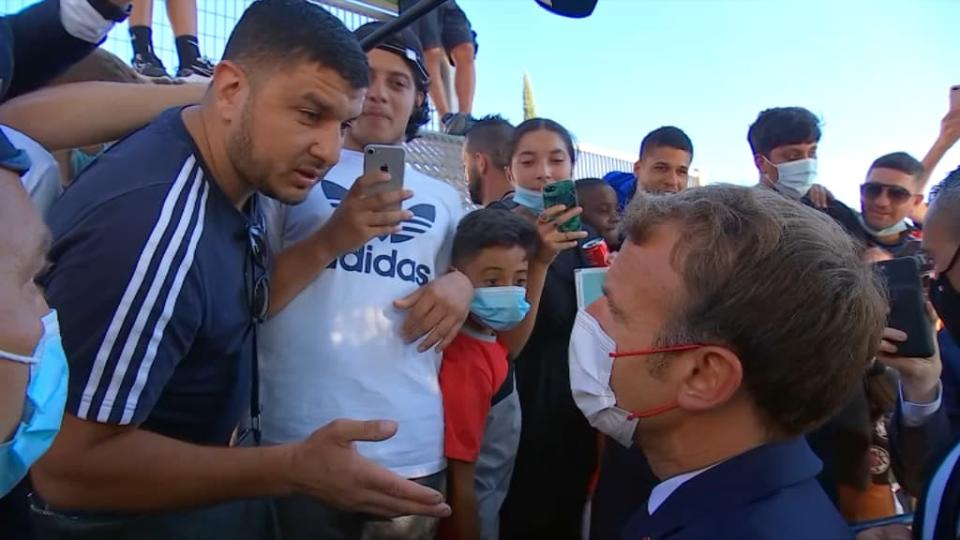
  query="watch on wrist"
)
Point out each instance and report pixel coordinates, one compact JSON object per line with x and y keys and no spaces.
{"x":110,"y":11}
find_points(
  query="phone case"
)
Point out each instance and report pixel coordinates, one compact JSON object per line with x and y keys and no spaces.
{"x":563,"y":192}
{"x":389,"y":159}
{"x":908,"y":306}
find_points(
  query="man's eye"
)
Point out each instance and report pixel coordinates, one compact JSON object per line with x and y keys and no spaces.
{"x":309,"y":116}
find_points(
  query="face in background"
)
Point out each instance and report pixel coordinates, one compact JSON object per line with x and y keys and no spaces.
{"x":887,"y":197}
{"x":498,"y":266}
{"x":474,"y":167}
{"x":390,"y":101}
{"x":940,"y":242}
{"x":783,"y":154}
{"x":663,"y":169}
{"x":599,"y":205}
{"x":285,"y":126}
{"x":540,"y":158}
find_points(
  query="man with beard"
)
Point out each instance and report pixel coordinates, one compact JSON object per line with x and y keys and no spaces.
{"x":159,"y":274}
{"x":485,"y":160}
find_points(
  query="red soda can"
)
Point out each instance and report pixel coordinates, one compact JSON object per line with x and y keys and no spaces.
{"x":596,"y":252}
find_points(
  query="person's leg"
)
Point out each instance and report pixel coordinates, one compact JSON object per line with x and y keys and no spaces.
{"x":465,"y":78}
{"x":460,"y":42}
{"x":145,"y":61}
{"x":183,"y":20}
{"x":434,"y":59}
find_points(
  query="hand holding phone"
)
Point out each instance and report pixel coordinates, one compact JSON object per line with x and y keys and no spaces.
{"x":563,"y":193}
{"x":387,"y":159}
{"x":908,"y":312}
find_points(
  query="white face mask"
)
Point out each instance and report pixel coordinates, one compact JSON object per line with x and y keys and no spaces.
{"x":590,"y":369}
{"x":795,"y":178}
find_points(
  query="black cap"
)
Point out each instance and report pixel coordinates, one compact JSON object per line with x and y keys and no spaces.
{"x":405,"y":44}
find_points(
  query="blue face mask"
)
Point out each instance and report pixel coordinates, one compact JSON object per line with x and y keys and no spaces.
{"x":796,"y":177}
{"x":529,"y":198}
{"x":42,"y":408}
{"x":500,"y":308}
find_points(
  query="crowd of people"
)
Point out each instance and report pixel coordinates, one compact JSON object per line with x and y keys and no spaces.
{"x":219,"y":323}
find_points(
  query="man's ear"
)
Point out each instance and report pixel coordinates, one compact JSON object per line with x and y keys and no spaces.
{"x":765,"y":168}
{"x":231,"y":89}
{"x":482,"y":163}
{"x":637,"y":167}
{"x":715,"y":376}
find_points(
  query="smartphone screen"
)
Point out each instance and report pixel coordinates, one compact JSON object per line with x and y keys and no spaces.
{"x":563,"y":192}
{"x":386,"y":158}
{"x":908,"y":306}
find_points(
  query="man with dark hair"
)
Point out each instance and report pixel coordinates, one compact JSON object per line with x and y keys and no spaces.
{"x":338,"y":344}
{"x":784,"y":143}
{"x":485,"y":160}
{"x":690,"y":365}
{"x":665,"y":156}
{"x":663,"y":166}
{"x":159,"y":275}
{"x":889,"y":196}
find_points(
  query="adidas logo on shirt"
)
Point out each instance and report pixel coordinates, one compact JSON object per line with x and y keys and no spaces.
{"x":389,"y":265}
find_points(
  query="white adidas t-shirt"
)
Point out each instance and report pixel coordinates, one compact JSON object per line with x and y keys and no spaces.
{"x":336,"y":351}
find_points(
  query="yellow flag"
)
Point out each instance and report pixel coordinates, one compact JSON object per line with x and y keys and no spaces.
{"x":529,"y":107}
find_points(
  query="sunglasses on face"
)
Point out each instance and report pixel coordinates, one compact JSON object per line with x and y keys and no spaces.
{"x":896,"y":194}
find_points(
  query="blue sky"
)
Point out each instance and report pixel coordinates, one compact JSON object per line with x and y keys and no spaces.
{"x":876,"y":71}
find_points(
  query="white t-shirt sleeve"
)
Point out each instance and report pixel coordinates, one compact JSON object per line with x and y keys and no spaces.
{"x":455,"y":206}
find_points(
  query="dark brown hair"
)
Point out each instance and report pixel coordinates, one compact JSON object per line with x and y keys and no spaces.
{"x":778,"y":283}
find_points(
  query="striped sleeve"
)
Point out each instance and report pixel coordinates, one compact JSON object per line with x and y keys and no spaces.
{"x":938,"y":515}
{"x":128,"y":301}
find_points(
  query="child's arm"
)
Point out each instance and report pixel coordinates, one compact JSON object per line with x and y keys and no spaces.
{"x":552,"y":242}
{"x":465,"y":519}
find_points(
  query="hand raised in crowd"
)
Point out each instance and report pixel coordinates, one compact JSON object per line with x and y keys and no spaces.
{"x":919,"y":377}
{"x":328,"y":467}
{"x":820,"y":196}
{"x":362,"y":216}
{"x":552,"y":240}
{"x":950,"y":128}
{"x":437,"y":310}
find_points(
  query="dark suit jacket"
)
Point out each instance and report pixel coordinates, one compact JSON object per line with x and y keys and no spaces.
{"x":768,"y":492}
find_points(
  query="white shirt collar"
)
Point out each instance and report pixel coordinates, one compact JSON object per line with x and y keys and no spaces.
{"x":665,"y":489}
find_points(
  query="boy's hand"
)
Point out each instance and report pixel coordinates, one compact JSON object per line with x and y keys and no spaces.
{"x":553,"y":241}
{"x":361,"y":217}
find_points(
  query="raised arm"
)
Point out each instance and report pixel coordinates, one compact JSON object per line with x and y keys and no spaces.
{"x":88,"y":113}
{"x":552,"y":242}
{"x":949,"y":134}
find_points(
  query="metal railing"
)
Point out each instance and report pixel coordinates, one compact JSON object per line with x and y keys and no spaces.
{"x":435,"y":154}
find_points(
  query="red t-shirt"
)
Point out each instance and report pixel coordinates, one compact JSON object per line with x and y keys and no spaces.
{"x":473,"y":369}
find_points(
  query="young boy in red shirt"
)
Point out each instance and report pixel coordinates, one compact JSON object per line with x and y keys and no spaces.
{"x":506,"y":257}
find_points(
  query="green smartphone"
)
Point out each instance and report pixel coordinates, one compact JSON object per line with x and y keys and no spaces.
{"x":563,"y":192}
